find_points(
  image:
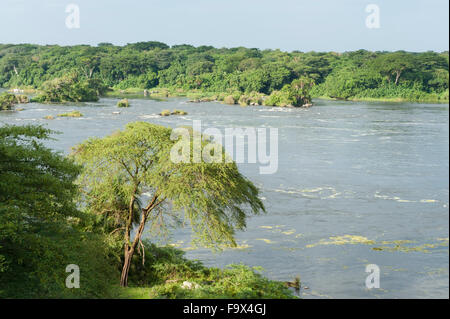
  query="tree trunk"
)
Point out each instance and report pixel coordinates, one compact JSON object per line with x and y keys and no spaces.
{"x":126,"y":267}
{"x":397,"y":77}
{"x":129,"y":250}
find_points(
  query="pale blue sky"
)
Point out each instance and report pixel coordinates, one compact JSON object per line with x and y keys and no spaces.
{"x":320,"y":25}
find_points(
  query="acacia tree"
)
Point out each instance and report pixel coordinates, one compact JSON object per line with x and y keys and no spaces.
{"x":129,"y":180}
{"x":395,"y":63}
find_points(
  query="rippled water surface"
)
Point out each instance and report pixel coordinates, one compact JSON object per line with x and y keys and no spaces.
{"x":357,"y":184}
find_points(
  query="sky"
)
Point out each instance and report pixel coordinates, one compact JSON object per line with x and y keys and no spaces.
{"x":312,"y":25}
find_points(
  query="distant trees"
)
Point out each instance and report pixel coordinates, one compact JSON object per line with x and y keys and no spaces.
{"x":7,"y":101}
{"x":149,"y":64}
{"x":150,"y":45}
{"x":295,"y":94}
{"x":392,"y":65}
{"x":70,"y":88}
{"x":412,"y":76}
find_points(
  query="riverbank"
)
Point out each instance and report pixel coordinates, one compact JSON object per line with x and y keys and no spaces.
{"x":202,"y":96}
{"x":239,"y":98}
{"x":385,"y":99}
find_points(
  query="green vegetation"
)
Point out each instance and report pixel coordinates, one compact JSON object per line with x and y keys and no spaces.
{"x":229,"y":100}
{"x":71,"y":114}
{"x":209,"y":72}
{"x":55,"y":212}
{"x":119,"y":168}
{"x":165,"y":113}
{"x":392,"y":76}
{"x":38,"y":237}
{"x":70,"y":88}
{"x":8,"y":100}
{"x":123,"y":103}
{"x":178,"y":112}
{"x":295,"y":94}
{"x":174,"y":112}
{"x":174,"y":276}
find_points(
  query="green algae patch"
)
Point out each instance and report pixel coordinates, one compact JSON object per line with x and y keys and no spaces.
{"x":267,"y":241}
{"x":401,"y":245}
{"x":344,"y":240}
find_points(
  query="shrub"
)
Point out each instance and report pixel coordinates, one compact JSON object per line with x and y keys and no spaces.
{"x":123,"y":103}
{"x":166,"y":268}
{"x":7,"y":101}
{"x":165,"y":113}
{"x":229,"y":100}
{"x":69,"y":88}
{"x":178,"y":112}
{"x":38,"y":262}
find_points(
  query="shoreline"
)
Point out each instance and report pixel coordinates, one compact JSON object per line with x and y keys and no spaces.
{"x":210,"y":96}
{"x":160,"y":93}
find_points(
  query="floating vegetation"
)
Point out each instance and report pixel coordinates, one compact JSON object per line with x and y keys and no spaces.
{"x":400,"y":246}
{"x":400,"y":200}
{"x":267,"y":241}
{"x":71,"y":114}
{"x":390,"y":246}
{"x":396,"y":242}
{"x":49,"y":117}
{"x":343,"y":240}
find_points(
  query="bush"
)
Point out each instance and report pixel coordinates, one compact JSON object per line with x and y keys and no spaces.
{"x":7,"y":101}
{"x":165,"y":113}
{"x":69,"y":88}
{"x":229,"y":100}
{"x":165,"y":269}
{"x":38,"y":262}
{"x":123,"y":103}
{"x":178,"y":112}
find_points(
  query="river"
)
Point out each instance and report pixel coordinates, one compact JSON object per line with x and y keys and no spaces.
{"x":357,"y":183}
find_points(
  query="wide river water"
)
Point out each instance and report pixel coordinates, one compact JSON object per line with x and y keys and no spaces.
{"x":357,"y":184}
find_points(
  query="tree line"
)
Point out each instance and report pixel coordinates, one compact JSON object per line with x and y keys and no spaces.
{"x":146,"y":65}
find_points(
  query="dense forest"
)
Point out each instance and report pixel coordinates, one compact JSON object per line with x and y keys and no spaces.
{"x":287,"y":77}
